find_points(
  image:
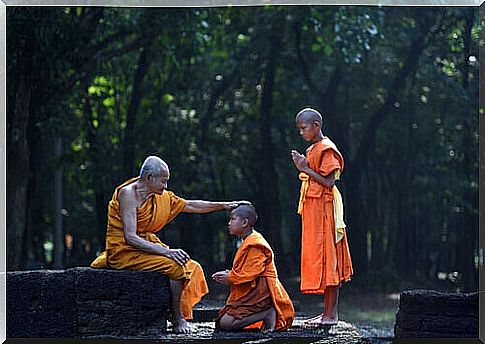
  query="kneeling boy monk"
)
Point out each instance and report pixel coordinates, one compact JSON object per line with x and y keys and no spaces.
{"x":257,"y":296}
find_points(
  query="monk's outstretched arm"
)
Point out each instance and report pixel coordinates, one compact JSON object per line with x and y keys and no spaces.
{"x":128,"y":217}
{"x":200,"y":207}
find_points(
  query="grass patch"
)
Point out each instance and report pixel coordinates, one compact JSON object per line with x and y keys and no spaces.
{"x":379,"y":318}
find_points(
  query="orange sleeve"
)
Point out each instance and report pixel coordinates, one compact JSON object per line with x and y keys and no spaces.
{"x":251,"y":265}
{"x":329,"y":162}
{"x":177,"y":204}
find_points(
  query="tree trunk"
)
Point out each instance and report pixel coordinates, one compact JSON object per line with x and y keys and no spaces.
{"x":94,"y":154}
{"x":467,"y":39}
{"x":129,"y":142}
{"x":469,"y":221}
{"x":58,"y":234}
{"x":356,"y":231}
{"x":19,"y":163}
{"x":271,"y":212}
{"x":469,"y":224}
{"x":402,"y":255}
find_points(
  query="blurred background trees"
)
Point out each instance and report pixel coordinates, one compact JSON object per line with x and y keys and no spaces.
{"x":91,"y":91}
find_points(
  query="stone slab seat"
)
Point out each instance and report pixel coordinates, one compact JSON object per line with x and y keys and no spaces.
{"x":429,"y":313}
{"x":87,"y":303}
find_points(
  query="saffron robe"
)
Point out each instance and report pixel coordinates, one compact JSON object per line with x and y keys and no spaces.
{"x":325,"y":255}
{"x":156,"y":212}
{"x":254,"y":273}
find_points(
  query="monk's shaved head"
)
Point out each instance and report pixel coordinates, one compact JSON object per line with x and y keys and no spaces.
{"x":309,"y":115}
{"x":246,"y":211}
{"x":153,"y":165}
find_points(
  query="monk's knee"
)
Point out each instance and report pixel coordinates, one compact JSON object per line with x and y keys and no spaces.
{"x":226,"y":323}
{"x":181,"y":273}
{"x":194,"y":265}
{"x":177,"y":273}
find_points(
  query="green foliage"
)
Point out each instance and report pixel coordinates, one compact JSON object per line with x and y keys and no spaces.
{"x":200,"y":109}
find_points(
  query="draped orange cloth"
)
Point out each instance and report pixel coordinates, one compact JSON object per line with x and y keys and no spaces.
{"x":152,"y":216}
{"x":325,"y":259}
{"x":254,"y":272}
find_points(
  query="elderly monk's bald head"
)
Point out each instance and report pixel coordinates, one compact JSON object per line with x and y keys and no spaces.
{"x":309,"y":115}
{"x":246,"y":211}
{"x":153,"y":165}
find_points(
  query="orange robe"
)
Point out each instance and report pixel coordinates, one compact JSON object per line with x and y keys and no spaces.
{"x":325,"y":261}
{"x":152,"y":215}
{"x":254,"y":272}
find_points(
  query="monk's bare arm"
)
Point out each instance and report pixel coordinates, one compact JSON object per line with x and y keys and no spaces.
{"x":327,"y":181}
{"x":127,"y":202}
{"x":301,"y":164}
{"x":200,"y":207}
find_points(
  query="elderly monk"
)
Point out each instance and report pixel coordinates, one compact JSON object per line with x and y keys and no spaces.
{"x":325,"y":255}
{"x":257,"y":298}
{"x":139,"y":208}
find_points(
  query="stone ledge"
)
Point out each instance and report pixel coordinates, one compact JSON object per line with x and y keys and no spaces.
{"x":85,"y":302}
{"x":429,"y":313}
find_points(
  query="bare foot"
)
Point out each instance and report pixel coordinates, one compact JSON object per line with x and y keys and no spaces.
{"x":328,"y":320}
{"x":313,"y":322}
{"x":180,"y":326}
{"x":269,"y":321}
{"x":320,"y":321}
{"x":316,"y":317}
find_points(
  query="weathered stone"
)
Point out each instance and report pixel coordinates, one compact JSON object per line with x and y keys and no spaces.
{"x":118,"y":303}
{"x":429,"y":313}
{"x":87,"y":303}
{"x":41,"y":304}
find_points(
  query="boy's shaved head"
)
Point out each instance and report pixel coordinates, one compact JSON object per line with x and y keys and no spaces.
{"x":246,"y":211}
{"x":309,"y":115}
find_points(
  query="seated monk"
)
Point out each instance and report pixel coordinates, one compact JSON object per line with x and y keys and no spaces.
{"x":139,"y":208}
{"x":257,"y":298}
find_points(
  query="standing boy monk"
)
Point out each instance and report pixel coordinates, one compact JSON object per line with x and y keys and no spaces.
{"x":256,"y":296}
{"x":325,"y":256}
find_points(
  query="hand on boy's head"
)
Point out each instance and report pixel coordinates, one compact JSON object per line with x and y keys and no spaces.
{"x":244,"y":202}
{"x":232,"y":205}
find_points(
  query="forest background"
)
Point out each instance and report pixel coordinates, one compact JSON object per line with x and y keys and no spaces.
{"x":91,"y":91}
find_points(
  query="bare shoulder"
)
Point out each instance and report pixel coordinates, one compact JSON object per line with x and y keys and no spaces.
{"x":127,"y":194}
